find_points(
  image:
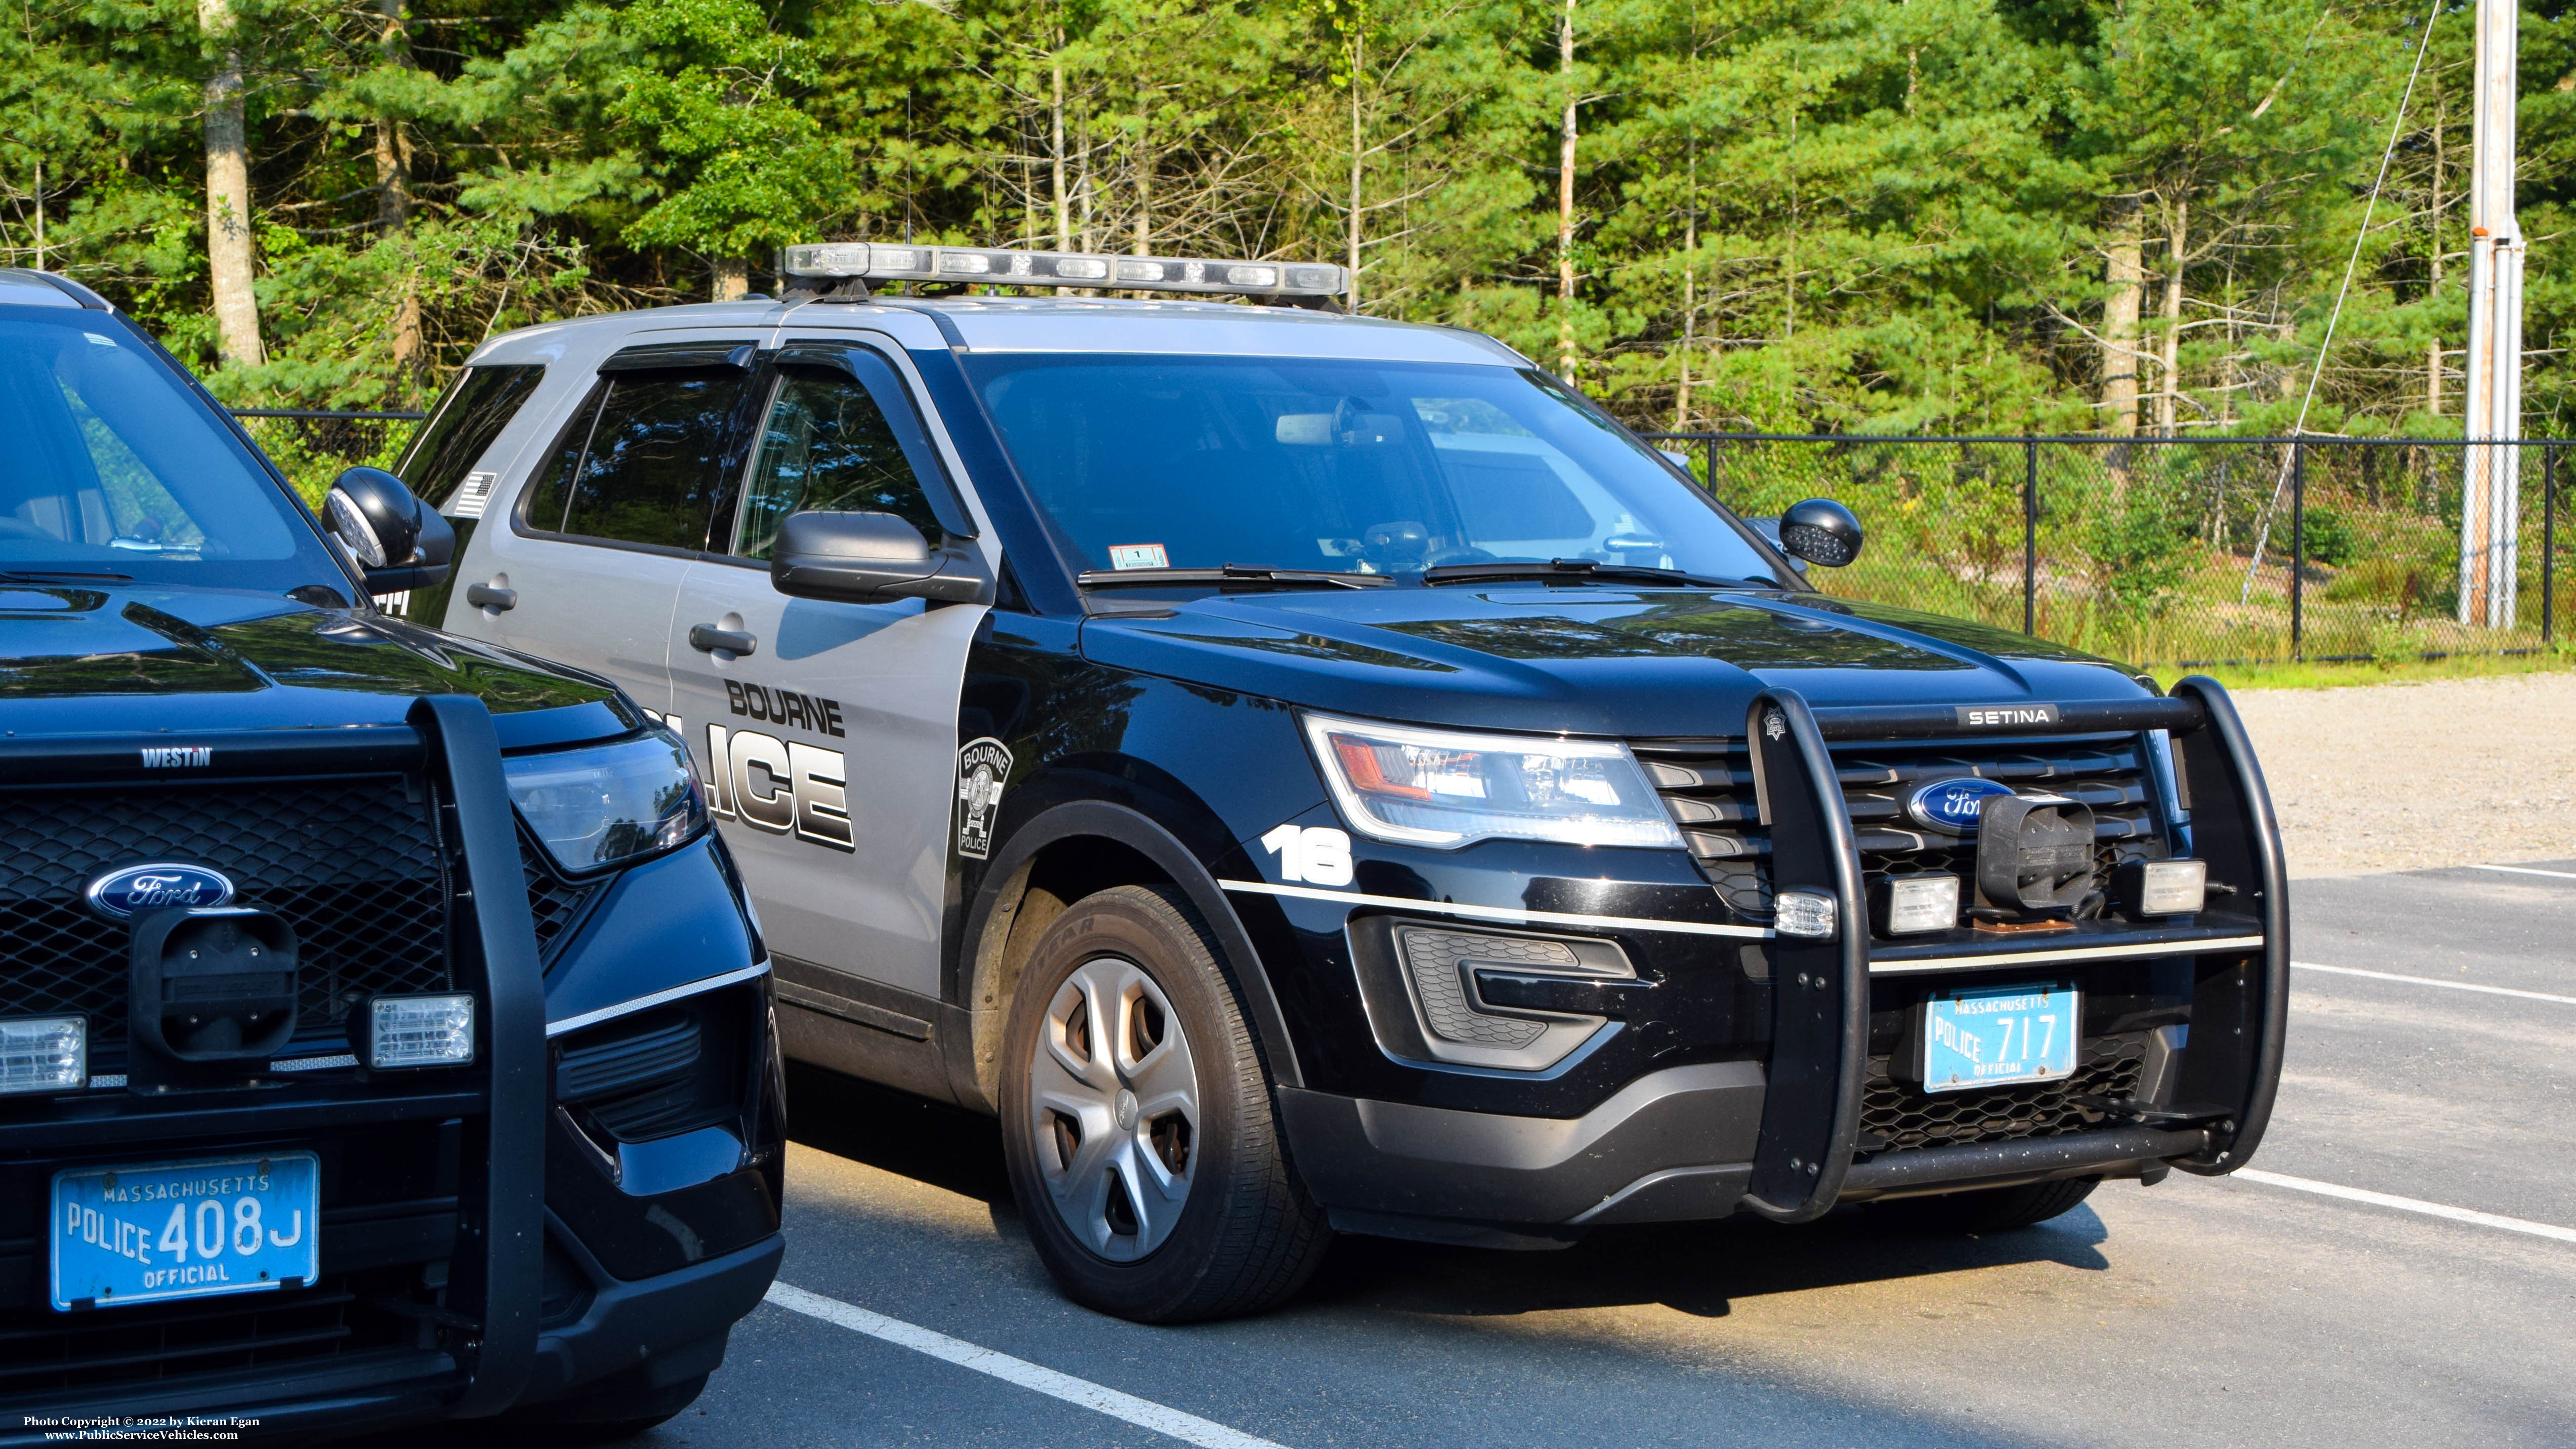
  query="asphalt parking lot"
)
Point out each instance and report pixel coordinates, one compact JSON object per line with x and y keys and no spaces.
{"x":2210,"y":1312}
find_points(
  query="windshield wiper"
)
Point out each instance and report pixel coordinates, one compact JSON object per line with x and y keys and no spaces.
{"x":1569,"y":570}
{"x":1228,"y":574}
{"x":56,"y":576}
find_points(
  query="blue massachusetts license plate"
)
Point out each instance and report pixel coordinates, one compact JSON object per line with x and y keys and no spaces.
{"x":185,"y":1229}
{"x":1999,"y":1036}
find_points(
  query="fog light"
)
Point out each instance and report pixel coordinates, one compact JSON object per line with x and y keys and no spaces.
{"x":1914,"y":904}
{"x":1803,"y":913}
{"x":44,"y":1054}
{"x":2171,"y":887}
{"x":417,"y":1031}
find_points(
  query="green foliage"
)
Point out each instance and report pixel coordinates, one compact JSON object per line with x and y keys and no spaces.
{"x":1849,"y":217}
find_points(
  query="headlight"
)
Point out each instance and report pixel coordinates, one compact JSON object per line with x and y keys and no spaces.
{"x":1446,"y":789}
{"x":606,"y":803}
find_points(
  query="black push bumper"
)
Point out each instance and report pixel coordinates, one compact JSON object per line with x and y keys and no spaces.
{"x":1783,"y":1138}
{"x":441,"y":1295}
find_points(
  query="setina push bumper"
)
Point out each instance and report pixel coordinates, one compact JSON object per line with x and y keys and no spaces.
{"x":2171,"y":1060}
{"x":397,"y":1095}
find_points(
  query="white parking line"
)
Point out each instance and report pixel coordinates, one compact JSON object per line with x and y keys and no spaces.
{"x":2436,"y":981}
{"x":2528,"y":870}
{"x":2407,"y":1204}
{"x":1143,"y":1413}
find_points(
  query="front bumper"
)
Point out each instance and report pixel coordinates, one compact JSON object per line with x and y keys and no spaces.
{"x":1674,"y":1146}
{"x":477,"y":1255}
{"x":1726,"y":1091}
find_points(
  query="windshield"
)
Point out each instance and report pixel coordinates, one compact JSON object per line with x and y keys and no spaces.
{"x":113,"y":468}
{"x":1351,"y":467}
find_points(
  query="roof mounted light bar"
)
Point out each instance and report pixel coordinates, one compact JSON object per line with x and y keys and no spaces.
{"x":877,"y":261}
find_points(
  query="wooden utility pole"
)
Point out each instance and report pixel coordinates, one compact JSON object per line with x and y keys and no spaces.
{"x":2492,"y":400}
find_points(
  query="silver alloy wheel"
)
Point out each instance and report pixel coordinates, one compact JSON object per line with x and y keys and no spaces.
{"x":1114,"y":1108}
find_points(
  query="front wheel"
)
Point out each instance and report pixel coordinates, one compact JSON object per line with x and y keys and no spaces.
{"x":1137,"y":1120}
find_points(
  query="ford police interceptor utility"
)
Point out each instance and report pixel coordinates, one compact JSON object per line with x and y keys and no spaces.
{"x":1307,"y":773}
{"x":383,"y":1036}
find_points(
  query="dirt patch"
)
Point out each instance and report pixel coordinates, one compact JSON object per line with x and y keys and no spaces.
{"x":2405,"y":776}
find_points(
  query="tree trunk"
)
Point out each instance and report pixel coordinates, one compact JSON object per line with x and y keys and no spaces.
{"x":2124,"y":279}
{"x":394,"y":198}
{"x":2169,"y":393}
{"x":1690,"y":296}
{"x":228,"y":235}
{"x":1145,"y":163}
{"x":732,"y":278}
{"x":1359,"y":54}
{"x":1565,"y":199}
{"x":1055,"y":149}
{"x":2433,"y":349}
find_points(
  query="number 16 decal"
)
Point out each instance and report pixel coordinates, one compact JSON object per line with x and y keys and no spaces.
{"x":1317,"y":854}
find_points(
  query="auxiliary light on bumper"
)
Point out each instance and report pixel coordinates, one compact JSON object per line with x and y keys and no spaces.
{"x":44,"y":1054}
{"x":399,"y":1032}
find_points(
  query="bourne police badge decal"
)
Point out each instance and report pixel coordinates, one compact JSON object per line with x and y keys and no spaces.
{"x":983,"y":767}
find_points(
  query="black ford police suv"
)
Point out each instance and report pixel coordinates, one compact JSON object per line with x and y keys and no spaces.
{"x":1312,"y":773}
{"x":383,"y":1036}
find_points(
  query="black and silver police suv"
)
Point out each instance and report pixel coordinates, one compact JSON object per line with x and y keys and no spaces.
{"x":383,"y":1036}
{"x":1312,"y":773}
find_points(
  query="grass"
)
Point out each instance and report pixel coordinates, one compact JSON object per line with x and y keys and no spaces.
{"x":2381,"y":671}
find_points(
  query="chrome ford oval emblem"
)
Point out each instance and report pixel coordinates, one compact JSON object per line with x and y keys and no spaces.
{"x":120,"y":893}
{"x":1951,"y":806}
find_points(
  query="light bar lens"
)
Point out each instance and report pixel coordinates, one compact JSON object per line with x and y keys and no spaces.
{"x":44,"y":1054}
{"x":1057,"y":269}
{"x":1445,"y":789}
{"x":2173,"y":887}
{"x":420,"y":1031}
{"x":597,"y":806}
{"x":1922,"y":903}
{"x":1803,"y":913}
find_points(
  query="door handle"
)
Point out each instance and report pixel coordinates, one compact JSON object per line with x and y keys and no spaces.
{"x":709,"y":638}
{"x":485,"y":596}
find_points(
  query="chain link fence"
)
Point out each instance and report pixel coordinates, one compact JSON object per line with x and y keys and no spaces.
{"x":314,"y":445}
{"x":2180,"y":551}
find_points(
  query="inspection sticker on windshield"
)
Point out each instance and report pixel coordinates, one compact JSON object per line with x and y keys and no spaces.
{"x":1999,"y":1036}
{"x":1138,"y":556}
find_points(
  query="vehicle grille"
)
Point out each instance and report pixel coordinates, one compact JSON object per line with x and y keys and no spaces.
{"x":44,"y":1354}
{"x":554,"y":902}
{"x":1707,"y":786}
{"x":1898,"y":1115}
{"x":354,"y":865}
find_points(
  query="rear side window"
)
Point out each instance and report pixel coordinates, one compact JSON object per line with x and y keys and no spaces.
{"x":639,"y":464}
{"x":826,"y":445}
{"x":477,"y":406}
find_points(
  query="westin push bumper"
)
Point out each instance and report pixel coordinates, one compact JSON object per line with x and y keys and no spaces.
{"x":1783,"y":1137}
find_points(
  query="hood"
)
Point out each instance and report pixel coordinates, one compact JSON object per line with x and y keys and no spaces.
{"x":134,"y":659}
{"x":1635,"y":662}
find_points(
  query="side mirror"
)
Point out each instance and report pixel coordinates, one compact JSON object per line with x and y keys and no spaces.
{"x":399,"y":544}
{"x":1820,"y":531}
{"x":873,"y":558}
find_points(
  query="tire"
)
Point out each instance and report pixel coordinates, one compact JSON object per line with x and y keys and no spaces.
{"x":1993,"y":1210}
{"x":1138,"y":1124}
{"x":607,"y":1418}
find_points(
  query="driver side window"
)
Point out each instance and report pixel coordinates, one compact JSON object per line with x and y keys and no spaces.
{"x":826,"y":445}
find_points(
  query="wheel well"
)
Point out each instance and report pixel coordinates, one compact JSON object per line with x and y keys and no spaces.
{"x":1062,"y":872}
